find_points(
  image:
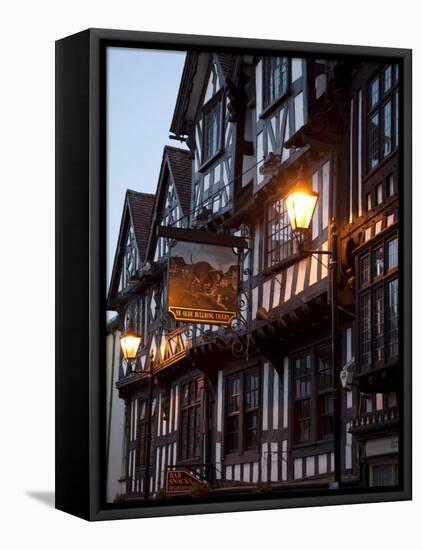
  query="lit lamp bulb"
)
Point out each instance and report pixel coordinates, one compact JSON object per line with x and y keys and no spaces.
{"x":130,"y":343}
{"x":300,"y":205}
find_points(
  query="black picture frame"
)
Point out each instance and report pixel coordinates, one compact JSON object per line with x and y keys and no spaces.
{"x":80,"y":271}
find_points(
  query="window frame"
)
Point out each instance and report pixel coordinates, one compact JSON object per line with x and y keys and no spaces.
{"x":243,"y":449}
{"x":317,"y":394}
{"x":230,"y":414}
{"x":292,"y":244}
{"x":322,"y":215}
{"x":394,"y":468}
{"x":269,"y":103}
{"x":207,"y":108}
{"x":298,"y":400}
{"x":371,"y":288}
{"x":385,"y":97}
{"x":324,"y":392}
{"x":142,"y":428}
{"x":195,"y":406}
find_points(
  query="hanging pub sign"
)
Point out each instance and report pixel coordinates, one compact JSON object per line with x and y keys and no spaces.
{"x":203,"y":283}
{"x":203,"y":277}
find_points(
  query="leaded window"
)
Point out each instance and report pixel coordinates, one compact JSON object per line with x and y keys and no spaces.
{"x":275,"y":79}
{"x":212,"y":128}
{"x":233,"y":413}
{"x":365,"y":321}
{"x":373,"y":145}
{"x":242,"y":405}
{"x":378,"y":299}
{"x":326,"y":415}
{"x":313,"y":399}
{"x":251,"y":409}
{"x":190,"y":421}
{"x":302,"y":399}
{"x":365,"y":270}
{"x":392,"y":253}
{"x":142,"y":433}
{"x":386,"y":129}
{"x":379,"y":322}
{"x":383,"y":115}
{"x":321,"y":185}
{"x":384,"y":474}
{"x":393,"y":318}
{"x":280,"y":241}
{"x":325,"y":392}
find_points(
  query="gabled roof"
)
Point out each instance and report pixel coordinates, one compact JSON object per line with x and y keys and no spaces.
{"x":140,"y":207}
{"x":180,"y":163}
{"x":189,"y":74}
{"x":194,"y":75}
{"x":137,"y":210}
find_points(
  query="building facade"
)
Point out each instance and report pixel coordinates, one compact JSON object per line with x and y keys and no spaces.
{"x":250,"y":407}
{"x":115,"y":417}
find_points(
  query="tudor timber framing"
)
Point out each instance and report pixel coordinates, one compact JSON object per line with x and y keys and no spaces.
{"x":302,"y":308}
{"x":94,"y":508}
{"x":203,"y":237}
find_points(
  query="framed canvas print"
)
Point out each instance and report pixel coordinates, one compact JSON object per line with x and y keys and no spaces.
{"x":233,"y":274}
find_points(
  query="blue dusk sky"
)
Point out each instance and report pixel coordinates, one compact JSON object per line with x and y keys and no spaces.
{"x":142,"y":88}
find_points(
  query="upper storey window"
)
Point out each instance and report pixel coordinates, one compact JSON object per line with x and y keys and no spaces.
{"x":280,"y":243}
{"x":378,"y":299}
{"x":383,"y":111}
{"x":209,"y":129}
{"x":275,"y":79}
{"x":212,"y":128}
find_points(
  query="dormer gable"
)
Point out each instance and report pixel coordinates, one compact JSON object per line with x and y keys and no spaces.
{"x":204,"y":75}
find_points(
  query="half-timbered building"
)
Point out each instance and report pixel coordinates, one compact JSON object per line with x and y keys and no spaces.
{"x":250,"y":407}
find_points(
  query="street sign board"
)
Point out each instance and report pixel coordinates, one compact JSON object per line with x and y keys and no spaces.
{"x":180,"y":481}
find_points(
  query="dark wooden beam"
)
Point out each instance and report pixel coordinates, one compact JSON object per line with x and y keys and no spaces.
{"x":198,"y":236}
